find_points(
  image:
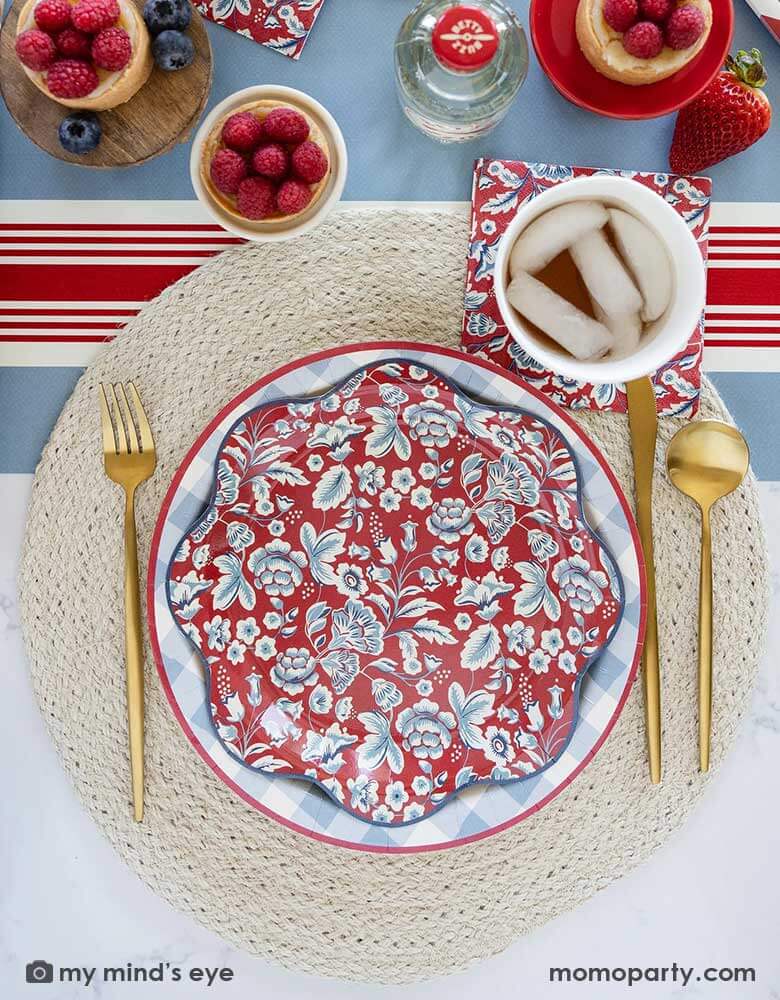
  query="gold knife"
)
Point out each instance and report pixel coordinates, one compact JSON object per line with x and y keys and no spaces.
{"x":643,"y":423}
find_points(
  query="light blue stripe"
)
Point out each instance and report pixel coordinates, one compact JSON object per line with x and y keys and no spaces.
{"x":753,"y":398}
{"x":31,"y":400}
{"x":348,"y":65}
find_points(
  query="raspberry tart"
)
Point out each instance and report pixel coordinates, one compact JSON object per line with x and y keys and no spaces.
{"x":642,"y":41}
{"x":265,"y":162}
{"x":85,"y":54}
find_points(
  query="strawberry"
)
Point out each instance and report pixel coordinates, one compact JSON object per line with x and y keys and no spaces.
{"x":730,"y":115}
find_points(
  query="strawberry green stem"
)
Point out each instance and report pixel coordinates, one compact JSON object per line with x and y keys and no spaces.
{"x":748,"y":67}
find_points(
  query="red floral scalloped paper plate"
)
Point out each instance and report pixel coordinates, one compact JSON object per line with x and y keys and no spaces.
{"x":395,"y":592}
{"x":555,"y":42}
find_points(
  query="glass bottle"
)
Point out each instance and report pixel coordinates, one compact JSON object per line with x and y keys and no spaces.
{"x":458,"y":67}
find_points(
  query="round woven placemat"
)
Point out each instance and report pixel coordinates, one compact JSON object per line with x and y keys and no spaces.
{"x":326,"y":910}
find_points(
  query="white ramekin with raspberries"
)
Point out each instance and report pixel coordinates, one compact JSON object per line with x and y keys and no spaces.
{"x":269,"y":163}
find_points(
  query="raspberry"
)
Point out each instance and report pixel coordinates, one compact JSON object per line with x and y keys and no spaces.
{"x":35,"y":49}
{"x":111,"y":49}
{"x":93,"y":15}
{"x":620,"y":14}
{"x":71,"y":78}
{"x":52,"y":15}
{"x":644,"y":40}
{"x":309,"y":162}
{"x":73,"y":44}
{"x":684,"y":27}
{"x":293,"y":197}
{"x":271,"y":161}
{"x":656,"y":10}
{"x":228,"y":169}
{"x":256,"y":198}
{"x":242,"y":131}
{"x":285,"y":125}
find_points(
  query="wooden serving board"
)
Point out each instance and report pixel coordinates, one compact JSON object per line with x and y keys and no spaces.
{"x":161,"y":114}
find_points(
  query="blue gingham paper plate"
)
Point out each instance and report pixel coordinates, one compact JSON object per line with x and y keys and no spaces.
{"x":476,"y":812}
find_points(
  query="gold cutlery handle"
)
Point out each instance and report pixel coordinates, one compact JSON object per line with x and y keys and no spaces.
{"x":134,"y":661}
{"x":705,"y":642}
{"x":643,"y":422}
{"x":706,"y":460}
{"x":650,"y":659}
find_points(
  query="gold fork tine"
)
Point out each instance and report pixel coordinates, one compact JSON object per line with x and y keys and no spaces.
{"x":107,"y":424}
{"x":130,"y":423}
{"x":147,"y":441}
{"x":117,"y":421}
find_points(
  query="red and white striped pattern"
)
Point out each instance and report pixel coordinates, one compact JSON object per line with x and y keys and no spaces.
{"x":769,"y":12}
{"x":70,"y":278}
{"x":742,"y":331}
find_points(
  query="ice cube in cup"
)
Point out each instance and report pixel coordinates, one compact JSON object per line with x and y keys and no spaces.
{"x":604,"y":275}
{"x":554,"y":232}
{"x":581,"y":335}
{"x":646,"y":258}
{"x":626,"y":330}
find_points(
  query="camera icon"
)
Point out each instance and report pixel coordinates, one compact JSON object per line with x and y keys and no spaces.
{"x":39,"y":972}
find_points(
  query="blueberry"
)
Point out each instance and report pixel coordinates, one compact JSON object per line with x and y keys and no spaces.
{"x":80,"y":132}
{"x":173,"y":50}
{"x":167,"y":15}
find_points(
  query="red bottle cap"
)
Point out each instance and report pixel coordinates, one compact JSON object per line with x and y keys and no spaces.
{"x":465,"y":38}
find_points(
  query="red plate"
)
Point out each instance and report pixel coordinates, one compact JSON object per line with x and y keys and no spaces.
{"x":558,"y":52}
{"x":394,"y":592}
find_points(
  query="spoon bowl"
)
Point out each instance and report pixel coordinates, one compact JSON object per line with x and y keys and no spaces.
{"x":706,"y":460}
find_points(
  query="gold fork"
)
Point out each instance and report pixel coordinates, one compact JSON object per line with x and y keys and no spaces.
{"x":129,"y":456}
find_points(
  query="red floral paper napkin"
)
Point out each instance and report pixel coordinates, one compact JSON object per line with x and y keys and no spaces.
{"x":500,"y":188}
{"x":283,"y":25}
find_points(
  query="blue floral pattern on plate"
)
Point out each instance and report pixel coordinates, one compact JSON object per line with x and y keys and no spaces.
{"x":395,"y":592}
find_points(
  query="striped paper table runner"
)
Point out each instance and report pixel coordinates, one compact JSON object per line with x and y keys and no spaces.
{"x":73,"y":273}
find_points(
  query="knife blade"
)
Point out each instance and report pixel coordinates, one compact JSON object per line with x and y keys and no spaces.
{"x":643,"y":424}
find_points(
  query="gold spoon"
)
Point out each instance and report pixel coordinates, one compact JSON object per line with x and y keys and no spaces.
{"x":706,"y":460}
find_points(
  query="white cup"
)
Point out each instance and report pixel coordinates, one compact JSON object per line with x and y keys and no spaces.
{"x":663,"y":338}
